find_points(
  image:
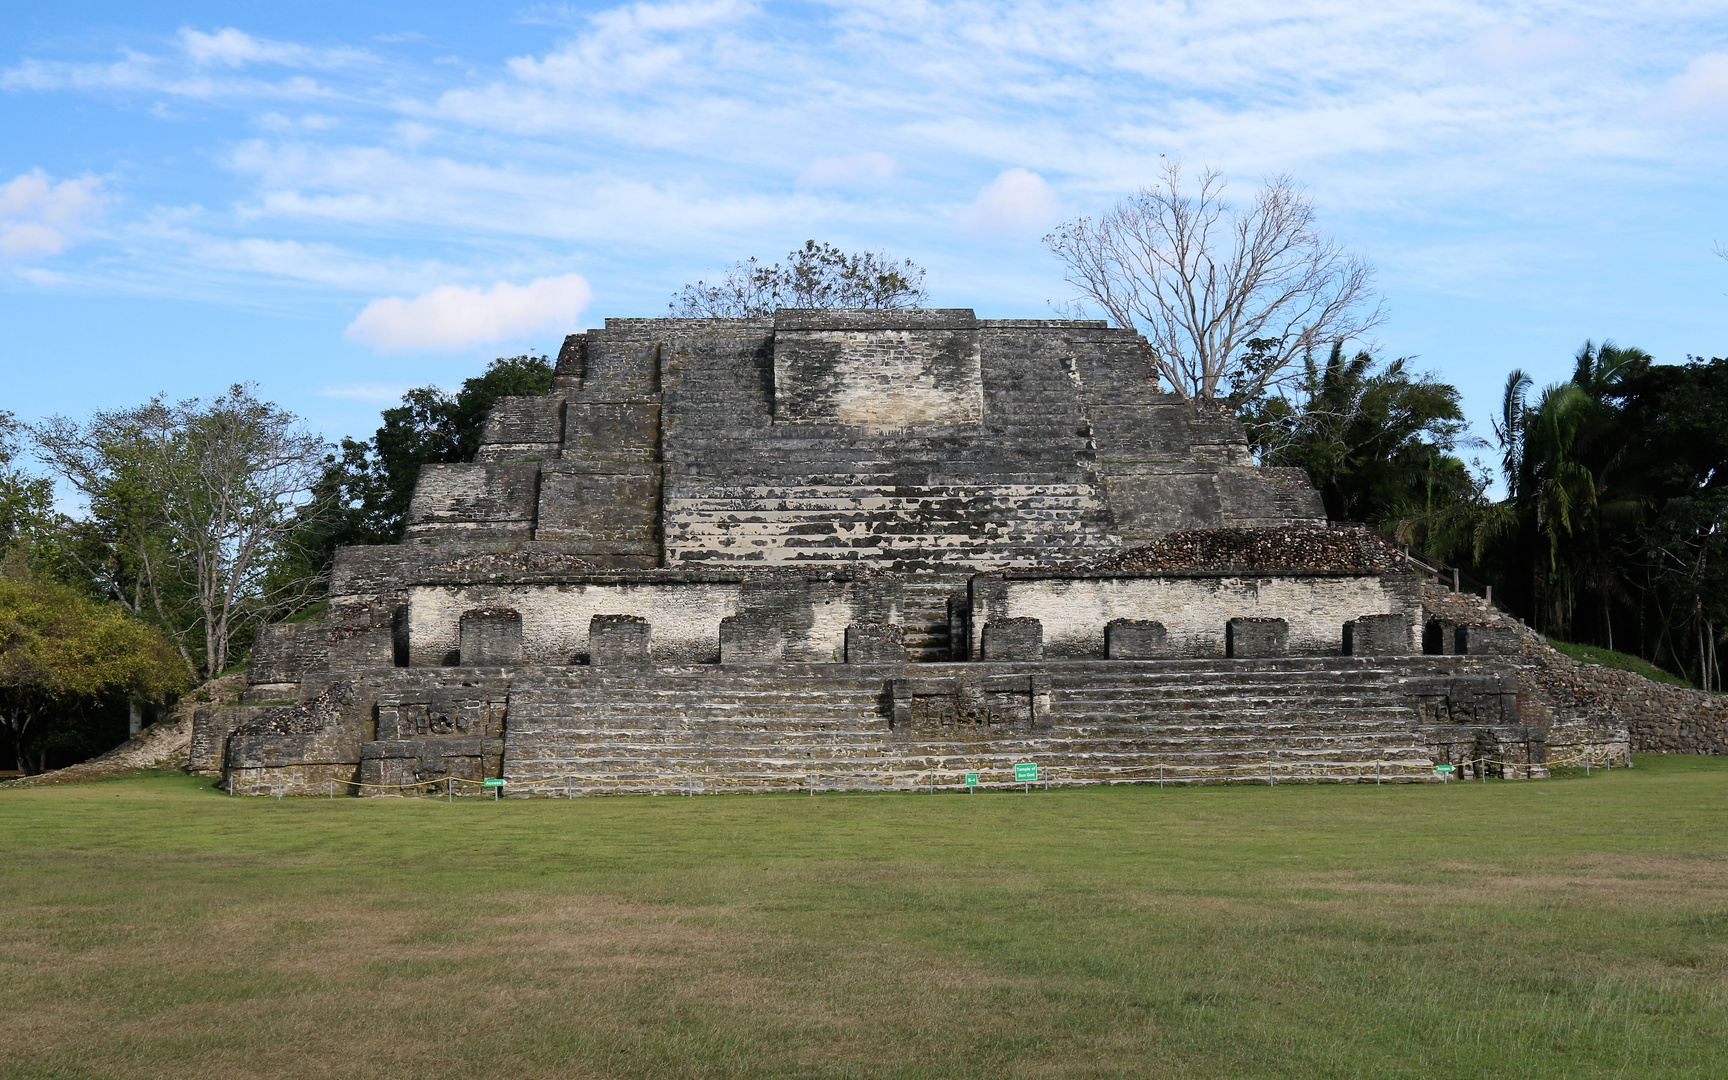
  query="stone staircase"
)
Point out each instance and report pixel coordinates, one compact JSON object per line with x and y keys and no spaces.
{"x":924,"y":618}
{"x":786,"y":727}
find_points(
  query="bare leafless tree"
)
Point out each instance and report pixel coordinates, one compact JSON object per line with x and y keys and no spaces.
{"x":200,"y":504}
{"x":1230,"y":299}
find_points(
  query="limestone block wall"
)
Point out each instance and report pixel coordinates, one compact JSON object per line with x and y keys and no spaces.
{"x":210,"y":730}
{"x":298,"y":749}
{"x":555,"y":618}
{"x":892,"y":375}
{"x":683,"y":609}
{"x":1193,"y":608}
{"x":482,"y":501}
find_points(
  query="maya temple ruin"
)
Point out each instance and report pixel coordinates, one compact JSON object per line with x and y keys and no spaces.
{"x":878,"y":550}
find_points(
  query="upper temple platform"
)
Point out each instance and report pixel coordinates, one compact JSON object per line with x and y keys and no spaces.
{"x":905,"y":440}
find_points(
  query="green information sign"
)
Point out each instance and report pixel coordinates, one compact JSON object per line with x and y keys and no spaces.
{"x":971,"y":779}
{"x":493,"y":783}
{"x":1443,"y":768}
{"x":1025,"y":772}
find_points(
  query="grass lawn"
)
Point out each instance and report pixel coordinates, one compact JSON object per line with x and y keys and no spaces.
{"x":1566,"y":928}
{"x":1595,"y":654}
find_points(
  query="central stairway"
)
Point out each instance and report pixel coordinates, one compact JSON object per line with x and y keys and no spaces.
{"x":832,"y":726}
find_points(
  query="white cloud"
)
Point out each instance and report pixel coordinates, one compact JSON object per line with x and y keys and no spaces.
{"x":37,"y":214}
{"x":1703,"y":87}
{"x":849,"y":169}
{"x":235,"y":49}
{"x":1017,"y":199}
{"x":454,"y":317}
{"x":1516,"y":49}
{"x":364,"y":392}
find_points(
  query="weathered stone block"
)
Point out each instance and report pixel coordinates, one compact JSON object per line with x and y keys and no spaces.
{"x":887,"y":368}
{"x":420,"y":766}
{"x":359,"y":648}
{"x":480,"y":501}
{"x":1377,"y":635}
{"x":618,"y":639}
{"x":523,"y":428}
{"x":750,"y":637}
{"x":490,"y":637}
{"x":1494,"y":640}
{"x":1135,"y":639}
{"x":874,"y":643}
{"x":1014,"y":639}
{"x":1256,"y":638}
{"x":283,"y":652}
{"x":210,"y":730}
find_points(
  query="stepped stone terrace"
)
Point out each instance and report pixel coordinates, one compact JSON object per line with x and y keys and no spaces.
{"x":862,"y":549}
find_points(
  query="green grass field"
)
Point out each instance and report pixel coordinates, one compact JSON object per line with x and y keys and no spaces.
{"x":1565,"y":928}
{"x":1596,"y":654}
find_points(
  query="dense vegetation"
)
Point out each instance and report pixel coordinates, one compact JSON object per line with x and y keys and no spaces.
{"x":1610,"y":528}
{"x":200,"y":521}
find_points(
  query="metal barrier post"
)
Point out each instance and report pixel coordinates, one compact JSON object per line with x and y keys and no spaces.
{"x":1376,"y":772}
{"x":1271,"y":777}
{"x":1160,"y":775}
{"x":332,"y":790}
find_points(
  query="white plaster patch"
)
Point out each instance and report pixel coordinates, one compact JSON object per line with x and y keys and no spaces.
{"x":1194,"y":610}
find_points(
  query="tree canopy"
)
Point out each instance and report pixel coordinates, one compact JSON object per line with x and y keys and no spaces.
{"x":191,"y":506}
{"x":1376,"y":439}
{"x":814,"y":276}
{"x":62,"y":653}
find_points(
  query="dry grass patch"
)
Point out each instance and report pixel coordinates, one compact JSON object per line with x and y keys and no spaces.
{"x":156,"y":929}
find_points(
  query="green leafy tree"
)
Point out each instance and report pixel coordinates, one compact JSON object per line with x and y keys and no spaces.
{"x":191,"y":506}
{"x":62,"y":655}
{"x":1561,"y":459}
{"x":26,"y":502}
{"x":1686,"y":550}
{"x":814,"y":276}
{"x":1376,"y":439}
{"x":1673,"y":451}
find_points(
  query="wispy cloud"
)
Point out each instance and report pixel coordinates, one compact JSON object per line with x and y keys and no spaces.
{"x":236,"y":49}
{"x":380,"y":392}
{"x":846,"y":170}
{"x":702,"y":130}
{"x":1702,"y":88}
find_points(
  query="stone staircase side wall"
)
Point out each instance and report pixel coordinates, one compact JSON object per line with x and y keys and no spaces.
{"x":1588,"y":704}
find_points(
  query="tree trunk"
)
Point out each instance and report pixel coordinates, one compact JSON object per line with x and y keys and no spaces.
{"x":134,"y":717}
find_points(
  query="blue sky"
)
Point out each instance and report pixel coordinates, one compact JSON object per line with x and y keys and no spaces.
{"x":339,"y":201}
